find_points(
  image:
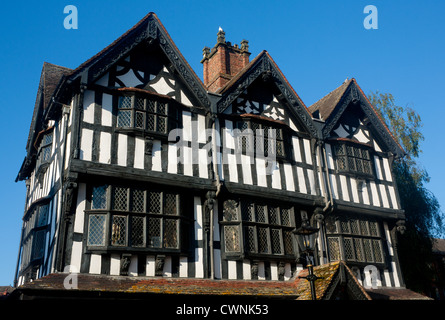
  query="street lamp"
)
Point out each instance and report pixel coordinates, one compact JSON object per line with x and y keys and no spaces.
{"x":306,"y":240}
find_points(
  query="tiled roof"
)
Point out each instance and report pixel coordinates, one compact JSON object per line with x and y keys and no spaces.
{"x":327,"y":104}
{"x":296,"y":288}
{"x":49,"y":79}
{"x":169,"y":286}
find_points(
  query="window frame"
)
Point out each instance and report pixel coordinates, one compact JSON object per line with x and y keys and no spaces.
{"x":43,"y":164}
{"x":240,"y":221}
{"x":33,"y":226}
{"x":336,"y":230}
{"x":251,"y":121}
{"x":344,"y":145}
{"x":109,"y":212}
{"x":171,"y":115}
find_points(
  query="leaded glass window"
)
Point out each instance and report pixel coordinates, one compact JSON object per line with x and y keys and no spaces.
{"x":260,"y":138}
{"x":45,"y":149}
{"x":35,"y":229}
{"x":149,"y":114}
{"x":96,"y":229}
{"x":354,"y":239}
{"x":266,"y":228}
{"x":353,"y":158}
{"x":136,"y":217}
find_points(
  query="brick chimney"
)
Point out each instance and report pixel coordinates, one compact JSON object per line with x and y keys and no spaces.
{"x":223,"y":61}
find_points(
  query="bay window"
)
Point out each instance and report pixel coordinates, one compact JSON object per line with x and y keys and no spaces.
{"x":131,"y":217}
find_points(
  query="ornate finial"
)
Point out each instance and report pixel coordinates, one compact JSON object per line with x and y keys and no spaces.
{"x":221,"y":36}
{"x":205,"y":52}
{"x":245,"y":45}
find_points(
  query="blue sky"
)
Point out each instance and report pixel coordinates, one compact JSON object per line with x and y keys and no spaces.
{"x":316,"y":44}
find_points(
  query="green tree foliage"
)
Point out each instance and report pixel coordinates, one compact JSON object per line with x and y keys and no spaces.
{"x":424,"y":219}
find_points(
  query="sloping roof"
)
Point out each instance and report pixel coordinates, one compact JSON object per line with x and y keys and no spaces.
{"x":89,"y":283}
{"x":261,"y":65}
{"x":146,"y":28}
{"x":296,"y":288}
{"x":331,"y":106}
{"x":49,"y":79}
{"x":331,"y":275}
{"x":327,"y":104}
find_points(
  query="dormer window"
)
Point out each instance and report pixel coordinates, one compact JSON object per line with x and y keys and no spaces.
{"x":150,"y":114}
{"x":353,"y":158}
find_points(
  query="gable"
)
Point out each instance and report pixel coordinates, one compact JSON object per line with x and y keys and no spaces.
{"x":261,"y":89}
{"x":347,"y":113}
{"x":264,"y":99}
{"x":132,"y":67}
{"x":147,"y":67}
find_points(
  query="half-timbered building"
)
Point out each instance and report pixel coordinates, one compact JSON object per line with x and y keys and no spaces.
{"x":136,"y":167}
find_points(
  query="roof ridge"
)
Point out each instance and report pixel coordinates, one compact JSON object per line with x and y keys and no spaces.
{"x":315,"y":106}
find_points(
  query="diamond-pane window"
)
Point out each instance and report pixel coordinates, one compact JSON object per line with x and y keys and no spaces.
{"x":137,"y":231}
{"x":99,"y":198}
{"x":334,"y":248}
{"x":140,"y":104}
{"x":368,"y":249}
{"x":345,"y":226}
{"x":137,"y":218}
{"x":288,"y":242}
{"x":250,"y":239}
{"x":154,"y":232}
{"x":170,"y":204}
{"x":263,"y":241}
{"x":349,"y":251}
{"x":154,"y":202}
{"x":43,"y":215}
{"x":139,"y":120}
{"x":260,"y":213}
{"x":120,"y":199}
{"x":273,"y":215}
{"x":231,"y":238}
{"x":146,"y":114}
{"x":119,"y":230}
{"x":267,"y":227}
{"x":230,"y":210}
{"x":364,"y":228}
{"x":162,"y":108}
{"x":377,"y":250}
{"x":353,"y":159}
{"x":354,"y":226}
{"x":170,"y":233}
{"x":124,"y":102}
{"x":285,"y":217}
{"x":138,"y":200}
{"x":358,"y":250}
{"x":248,"y":211}
{"x":373,"y":228}
{"x":275,"y":235}
{"x":124,"y":118}
{"x":96,"y":230}
{"x":151,"y":106}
